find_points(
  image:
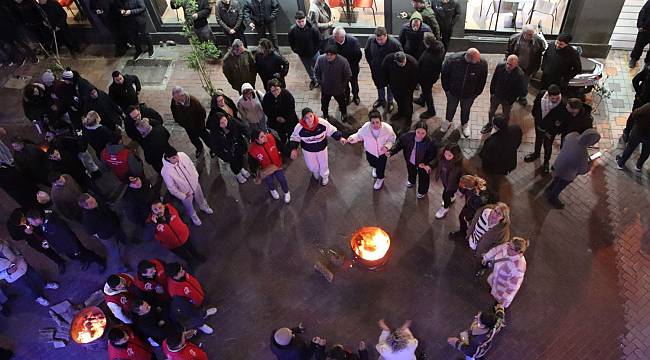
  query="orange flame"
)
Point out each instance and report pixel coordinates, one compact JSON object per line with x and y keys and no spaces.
{"x":370,"y":243}
{"x":88,"y":325}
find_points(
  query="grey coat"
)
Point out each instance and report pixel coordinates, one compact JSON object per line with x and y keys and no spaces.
{"x":573,"y":159}
{"x":334,"y":76}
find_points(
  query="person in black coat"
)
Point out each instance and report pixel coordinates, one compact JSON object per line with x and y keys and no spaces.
{"x":36,"y":104}
{"x":109,"y":15}
{"x":200,"y":17}
{"x":95,"y":133}
{"x":17,"y":185}
{"x":642,"y":37}
{"x":286,"y":344}
{"x":411,"y":35}
{"x":124,"y":90}
{"x":107,"y":109}
{"x":63,"y":161}
{"x":378,"y":47}
{"x":637,"y":131}
{"x":304,"y":40}
{"x":261,"y":15}
{"x":447,"y":13}
{"x":229,"y":142}
{"x":30,"y":14}
{"x":561,"y":63}
{"x":550,"y":113}
{"x":62,"y":239}
{"x":135,"y":113}
{"x":220,"y":102}
{"x":152,"y":320}
{"x":419,"y":152}
{"x":30,"y":160}
{"x":508,"y":84}
{"x":348,"y":47}
{"x":154,"y":143}
{"x":230,"y":17}
{"x":270,"y":64}
{"x":134,"y":24}
{"x":429,"y":68}
{"x":641,"y":84}
{"x":499,"y":152}
{"x":13,"y":37}
{"x":579,"y":119}
{"x":280,"y":109}
{"x":136,"y":201}
{"x":401,"y":73}
{"x":56,"y":18}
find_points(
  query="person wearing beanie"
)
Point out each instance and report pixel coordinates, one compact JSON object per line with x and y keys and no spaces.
{"x":378,"y":47}
{"x":333,"y":73}
{"x":429,"y":68}
{"x":188,"y":297}
{"x":229,"y":142}
{"x":182,"y":180}
{"x":419,"y":152}
{"x":304,"y":40}
{"x":119,"y":294}
{"x":311,"y":134}
{"x":287,"y":344}
{"x":561,"y":63}
{"x":499,"y":152}
{"x":411,"y":35}
{"x":123,"y":343}
{"x":428,"y":16}
{"x":176,"y":347}
{"x":168,"y":228}
{"x":475,"y":342}
{"x":265,"y":157}
{"x":190,"y":115}
{"x":401,"y":74}
{"x":347,"y":46}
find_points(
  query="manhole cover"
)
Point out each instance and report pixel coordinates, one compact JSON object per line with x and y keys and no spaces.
{"x":150,"y":71}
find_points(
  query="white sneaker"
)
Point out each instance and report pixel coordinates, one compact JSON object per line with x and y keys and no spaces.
{"x":441,"y":212}
{"x":420,"y":196}
{"x":152,"y":342}
{"x":51,"y":286}
{"x":315,"y":175}
{"x":451,"y":201}
{"x":466,"y":132}
{"x":324,"y":181}
{"x":275,"y":194}
{"x":444,"y":126}
{"x":241,"y":178}
{"x":206,"y":329}
{"x":245,"y":173}
{"x":196,"y":220}
{"x":206,"y":209}
{"x":378,"y":184}
{"x":637,"y":168}
{"x":211,"y":311}
{"x":374,"y":172}
{"x":42,"y":301}
{"x":408,"y":184}
{"x":287,"y":198}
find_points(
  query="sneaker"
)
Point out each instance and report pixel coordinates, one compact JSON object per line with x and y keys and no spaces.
{"x":195,"y":219}
{"x":241,"y":178}
{"x":317,"y":84}
{"x":632,"y":63}
{"x":356,"y":100}
{"x":374,"y":172}
{"x":556,"y":203}
{"x":325,"y":181}
{"x":211,"y":311}
{"x":390,"y":107}
{"x":420,"y":196}
{"x":637,"y":168}
{"x":206,"y":209}
{"x":378,"y":184}
{"x":42,"y":301}
{"x":531,"y":157}
{"x":545,"y":169}
{"x":427,"y":115}
{"x":487,"y":128}
{"x":315,"y":175}
{"x":51,"y":286}
{"x":618,"y":163}
{"x":445,"y":125}
{"x":441,"y":212}
{"x":378,"y":103}
{"x":151,"y":52}
{"x":245,"y":173}
{"x":408,"y":184}
{"x":287,"y":198}
{"x":206,"y":329}
{"x":312,"y":85}
{"x":275,"y":195}
{"x":418,"y":101}
{"x":466,"y":132}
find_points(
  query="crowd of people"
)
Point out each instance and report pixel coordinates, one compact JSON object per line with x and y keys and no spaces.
{"x":84,"y":167}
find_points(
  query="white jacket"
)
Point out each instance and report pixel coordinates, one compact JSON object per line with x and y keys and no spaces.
{"x":371,"y":144}
{"x":8,"y":257}
{"x":386,"y":353}
{"x":180,"y":178}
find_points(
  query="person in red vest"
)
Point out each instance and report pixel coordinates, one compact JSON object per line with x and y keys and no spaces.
{"x":187,"y":296}
{"x":123,"y":344}
{"x":121,"y":160}
{"x":151,"y":280}
{"x":264,"y":153}
{"x":175,"y":347}
{"x":171,"y":232}
{"x":119,"y":296}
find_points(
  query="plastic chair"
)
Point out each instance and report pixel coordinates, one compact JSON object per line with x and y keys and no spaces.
{"x":501,"y":7}
{"x":365,"y":4}
{"x":547,"y":8}
{"x":337,"y":3}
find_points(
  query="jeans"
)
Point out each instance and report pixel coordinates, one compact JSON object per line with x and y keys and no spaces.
{"x":239,"y":34}
{"x":631,"y":145}
{"x":422,"y":178}
{"x":506,"y":107}
{"x":137,"y":32}
{"x":32,"y":282}
{"x":354,"y":83}
{"x":542,"y":139}
{"x":309,"y":63}
{"x":263,"y":29}
{"x":188,"y":202}
{"x":465,"y":107}
{"x":236,"y":162}
{"x":379,"y":163}
{"x":278,"y":175}
{"x":446,"y":198}
{"x":382,"y":93}
{"x":642,"y":39}
{"x":187,"y":252}
{"x":115,"y":251}
{"x":427,"y":97}
{"x":556,"y":187}
{"x":404,"y":101}
{"x":196,"y":136}
{"x":205,"y":34}
{"x":340,"y":99}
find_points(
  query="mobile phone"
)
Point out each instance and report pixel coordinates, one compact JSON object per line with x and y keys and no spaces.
{"x":596,"y":155}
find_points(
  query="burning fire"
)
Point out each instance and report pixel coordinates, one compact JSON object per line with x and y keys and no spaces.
{"x":370,"y":243}
{"x":88,"y":325}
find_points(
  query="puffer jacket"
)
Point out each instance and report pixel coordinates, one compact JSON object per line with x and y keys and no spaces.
{"x":228,"y":145}
{"x":231,"y":17}
{"x":174,"y":232}
{"x":463,"y":79}
{"x":375,"y":55}
{"x":8,"y":257}
{"x":573,"y":159}
{"x":412,"y":40}
{"x":508,"y":86}
{"x":261,"y":11}
{"x":180,"y":178}
{"x":372,"y":144}
{"x":430,"y":63}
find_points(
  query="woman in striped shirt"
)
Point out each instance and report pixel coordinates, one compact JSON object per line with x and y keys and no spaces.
{"x":490,"y":227}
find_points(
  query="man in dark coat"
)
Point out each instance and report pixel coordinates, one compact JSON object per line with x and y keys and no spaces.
{"x":641,"y":84}
{"x":57,"y":19}
{"x":642,"y":37}
{"x":230,"y":17}
{"x":506,"y":87}
{"x":379,"y":46}
{"x":579,"y":119}
{"x":348,"y":47}
{"x":135,"y":113}
{"x":429,"y":68}
{"x":64,"y":161}
{"x":109,"y":14}
{"x":136,"y":201}
{"x":447,"y":13}
{"x":30,"y":160}
{"x":107,"y":109}
{"x":280,"y":109}
{"x":95,"y":133}
{"x":333,"y":73}
{"x":261,"y":15}
{"x":199,"y":17}
{"x":270,"y":64}
{"x":190,"y":114}
{"x":463,"y":79}
{"x":152,"y":320}
{"x":154,"y":143}
{"x":17,"y":185}
{"x":499,"y":152}
{"x":286,"y":344}
{"x":124,"y":90}
{"x":13,"y":37}
{"x":401,"y":73}
{"x":561,"y":63}
{"x":529,"y":48}
{"x":637,"y":131}
{"x":304,"y":39}
{"x":29,"y":14}
{"x":411,"y":35}
{"x":134,"y":23}
{"x":549,"y":113}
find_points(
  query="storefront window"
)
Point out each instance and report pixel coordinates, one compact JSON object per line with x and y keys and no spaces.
{"x":75,"y":12}
{"x":511,"y":15}
{"x":358,"y":13}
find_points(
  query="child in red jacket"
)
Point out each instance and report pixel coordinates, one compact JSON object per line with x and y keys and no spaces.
{"x":264,"y":153}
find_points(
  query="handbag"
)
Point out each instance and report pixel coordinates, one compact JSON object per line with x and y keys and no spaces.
{"x":488,"y":265}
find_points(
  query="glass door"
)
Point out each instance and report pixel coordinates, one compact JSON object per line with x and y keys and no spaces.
{"x":512,"y":15}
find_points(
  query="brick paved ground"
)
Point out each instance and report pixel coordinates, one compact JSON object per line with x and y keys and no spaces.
{"x":585,"y":295}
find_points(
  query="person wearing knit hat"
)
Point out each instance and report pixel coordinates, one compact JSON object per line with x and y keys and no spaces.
{"x":283,"y":336}
{"x":333,"y":73}
{"x":311,"y":135}
{"x":48,"y":78}
{"x":561,"y":63}
{"x":286,"y":344}
{"x":67,"y":74}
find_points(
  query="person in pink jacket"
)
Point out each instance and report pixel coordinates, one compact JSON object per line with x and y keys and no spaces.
{"x":508,"y":268}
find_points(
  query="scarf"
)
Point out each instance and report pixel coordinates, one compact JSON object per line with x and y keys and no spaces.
{"x":313,"y":125}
